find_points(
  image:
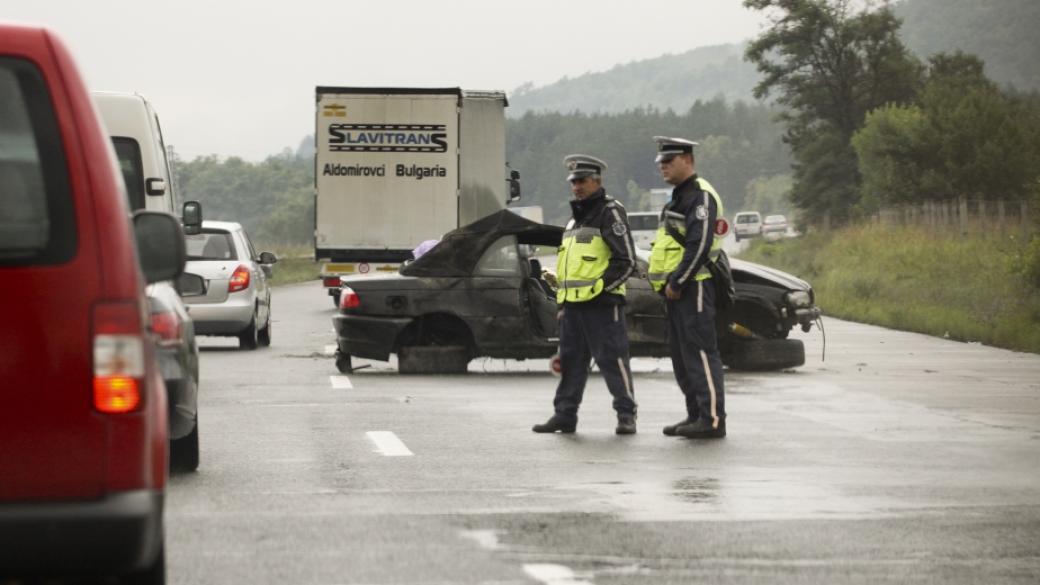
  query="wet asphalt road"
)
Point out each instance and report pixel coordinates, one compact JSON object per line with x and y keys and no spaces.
{"x":901,"y":458}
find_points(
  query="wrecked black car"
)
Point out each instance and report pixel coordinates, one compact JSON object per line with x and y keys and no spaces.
{"x":481,"y":292}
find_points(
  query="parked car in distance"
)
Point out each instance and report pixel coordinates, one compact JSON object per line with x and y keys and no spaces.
{"x":83,"y":428}
{"x":774,"y":227}
{"x":236,"y":301}
{"x":136,"y":135}
{"x":747,"y":224}
{"x":644,"y":227}
{"x":480,"y":293}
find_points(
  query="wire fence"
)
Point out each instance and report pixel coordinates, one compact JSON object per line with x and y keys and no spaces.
{"x":962,"y":215}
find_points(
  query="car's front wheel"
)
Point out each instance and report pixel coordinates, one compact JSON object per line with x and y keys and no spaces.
{"x":250,"y":338}
{"x":759,"y":355}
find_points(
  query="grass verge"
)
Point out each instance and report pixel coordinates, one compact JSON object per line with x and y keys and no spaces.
{"x":966,"y":287}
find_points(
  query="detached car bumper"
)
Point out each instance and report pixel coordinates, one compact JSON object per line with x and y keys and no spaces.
{"x":118,"y":533}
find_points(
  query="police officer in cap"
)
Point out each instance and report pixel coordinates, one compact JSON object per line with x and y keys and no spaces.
{"x":595,"y":259}
{"x":683,"y":248}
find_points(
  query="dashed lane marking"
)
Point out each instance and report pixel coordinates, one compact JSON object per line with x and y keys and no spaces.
{"x":553,"y":575}
{"x":388,"y":444}
{"x":340,"y":382}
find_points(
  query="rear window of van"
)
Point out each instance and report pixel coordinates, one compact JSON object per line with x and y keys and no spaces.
{"x":128,"y":152}
{"x":37,"y":222}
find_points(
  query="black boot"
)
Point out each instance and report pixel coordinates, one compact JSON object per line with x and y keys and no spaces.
{"x":670,"y":429}
{"x":702,"y":429}
{"x":626,"y":424}
{"x":556,"y":423}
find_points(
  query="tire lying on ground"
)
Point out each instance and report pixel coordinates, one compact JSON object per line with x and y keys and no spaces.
{"x":433,"y":359}
{"x":766,"y":354}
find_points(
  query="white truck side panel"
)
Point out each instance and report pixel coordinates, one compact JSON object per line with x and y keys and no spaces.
{"x":482,"y":156}
{"x":386,"y":169}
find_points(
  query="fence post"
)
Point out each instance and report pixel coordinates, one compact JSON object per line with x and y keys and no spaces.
{"x":982,"y":215}
{"x":962,"y":212}
{"x":1023,"y":217}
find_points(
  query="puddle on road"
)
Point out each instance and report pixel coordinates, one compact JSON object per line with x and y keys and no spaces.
{"x":734,"y":498}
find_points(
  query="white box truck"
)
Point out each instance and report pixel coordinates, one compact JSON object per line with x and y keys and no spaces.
{"x":397,"y":166}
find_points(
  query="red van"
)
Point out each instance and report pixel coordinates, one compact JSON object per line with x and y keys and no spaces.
{"x":83,"y":422}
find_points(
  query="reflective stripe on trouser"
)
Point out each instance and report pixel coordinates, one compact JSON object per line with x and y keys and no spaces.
{"x":695,"y":353}
{"x":589,"y":332}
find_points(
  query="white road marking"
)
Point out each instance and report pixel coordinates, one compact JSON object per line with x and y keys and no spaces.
{"x":340,"y":382}
{"x":330,"y":350}
{"x":553,"y":575}
{"x":388,"y":444}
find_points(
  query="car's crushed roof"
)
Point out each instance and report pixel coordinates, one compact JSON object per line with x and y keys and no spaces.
{"x":459,"y":250}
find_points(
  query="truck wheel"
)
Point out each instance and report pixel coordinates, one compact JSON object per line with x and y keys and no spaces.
{"x":335,"y":299}
{"x":343,"y":363}
{"x":154,"y":574}
{"x":433,"y":359}
{"x":758,"y":355}
{"x":184,"y":452}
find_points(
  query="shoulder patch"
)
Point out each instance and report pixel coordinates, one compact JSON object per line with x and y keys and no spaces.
{"x":619,"y":228}
{"x":701,"y":212}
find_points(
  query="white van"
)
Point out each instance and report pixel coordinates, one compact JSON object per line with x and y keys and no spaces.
{"x":747,"y":224}
{"x":644,"y":227}
{"x":137,"y":137}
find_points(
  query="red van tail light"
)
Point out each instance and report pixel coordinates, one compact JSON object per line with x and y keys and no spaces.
{"x":348,"y":299}
{"x":330,"y":281}
{"x":239,"y":279}
{"x":118,"y":357}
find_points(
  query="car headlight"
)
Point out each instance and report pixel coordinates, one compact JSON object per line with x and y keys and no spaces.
{"x":799,"y":298}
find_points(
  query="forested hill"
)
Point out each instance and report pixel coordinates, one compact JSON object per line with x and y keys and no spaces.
{"x":1000,"y":32}
{"x":670,"y":81}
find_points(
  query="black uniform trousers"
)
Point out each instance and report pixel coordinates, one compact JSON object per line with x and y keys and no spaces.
{"x":694,"y":349}
{"x":587,"y":332}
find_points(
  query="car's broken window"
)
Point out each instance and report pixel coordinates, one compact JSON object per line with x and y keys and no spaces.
{"x":500,"y":259}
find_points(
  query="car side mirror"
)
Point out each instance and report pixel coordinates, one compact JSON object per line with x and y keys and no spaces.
{"x":155,"y":186}
{"x":191,"y":216}
{"x":268,"y":258}
{"x":160,"y":245}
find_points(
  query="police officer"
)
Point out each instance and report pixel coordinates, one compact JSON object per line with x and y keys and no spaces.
{"x":595,"y":259}
{"x":684,"y":246}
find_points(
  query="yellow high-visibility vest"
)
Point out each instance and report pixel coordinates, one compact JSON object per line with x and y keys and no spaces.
{"x":580,"y":265}
{"x":666,"y":253}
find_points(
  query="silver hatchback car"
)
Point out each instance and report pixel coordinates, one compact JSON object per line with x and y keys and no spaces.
{"x":236,"y":300}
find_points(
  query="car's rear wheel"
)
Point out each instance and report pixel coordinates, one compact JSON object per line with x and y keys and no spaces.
{"x":765,"y":354}
{"x":250,"y":338}
{"x":433,"y":359}
{"x":335,"y":299}
{"x":184,"y":452}
{"x":264,"y":335}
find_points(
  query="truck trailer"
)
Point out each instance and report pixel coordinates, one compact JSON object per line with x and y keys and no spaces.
{"x":395,"y":167}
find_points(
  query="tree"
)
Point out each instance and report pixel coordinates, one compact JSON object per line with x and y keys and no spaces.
{"x":964,"y":138}
{"x":829,"y":65}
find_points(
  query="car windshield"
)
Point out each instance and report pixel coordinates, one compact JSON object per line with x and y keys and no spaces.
{"x":747,"y":218}
{"x":210,"y":246}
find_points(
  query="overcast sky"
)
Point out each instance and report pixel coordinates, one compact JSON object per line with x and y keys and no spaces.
{"x":237,"y":78}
